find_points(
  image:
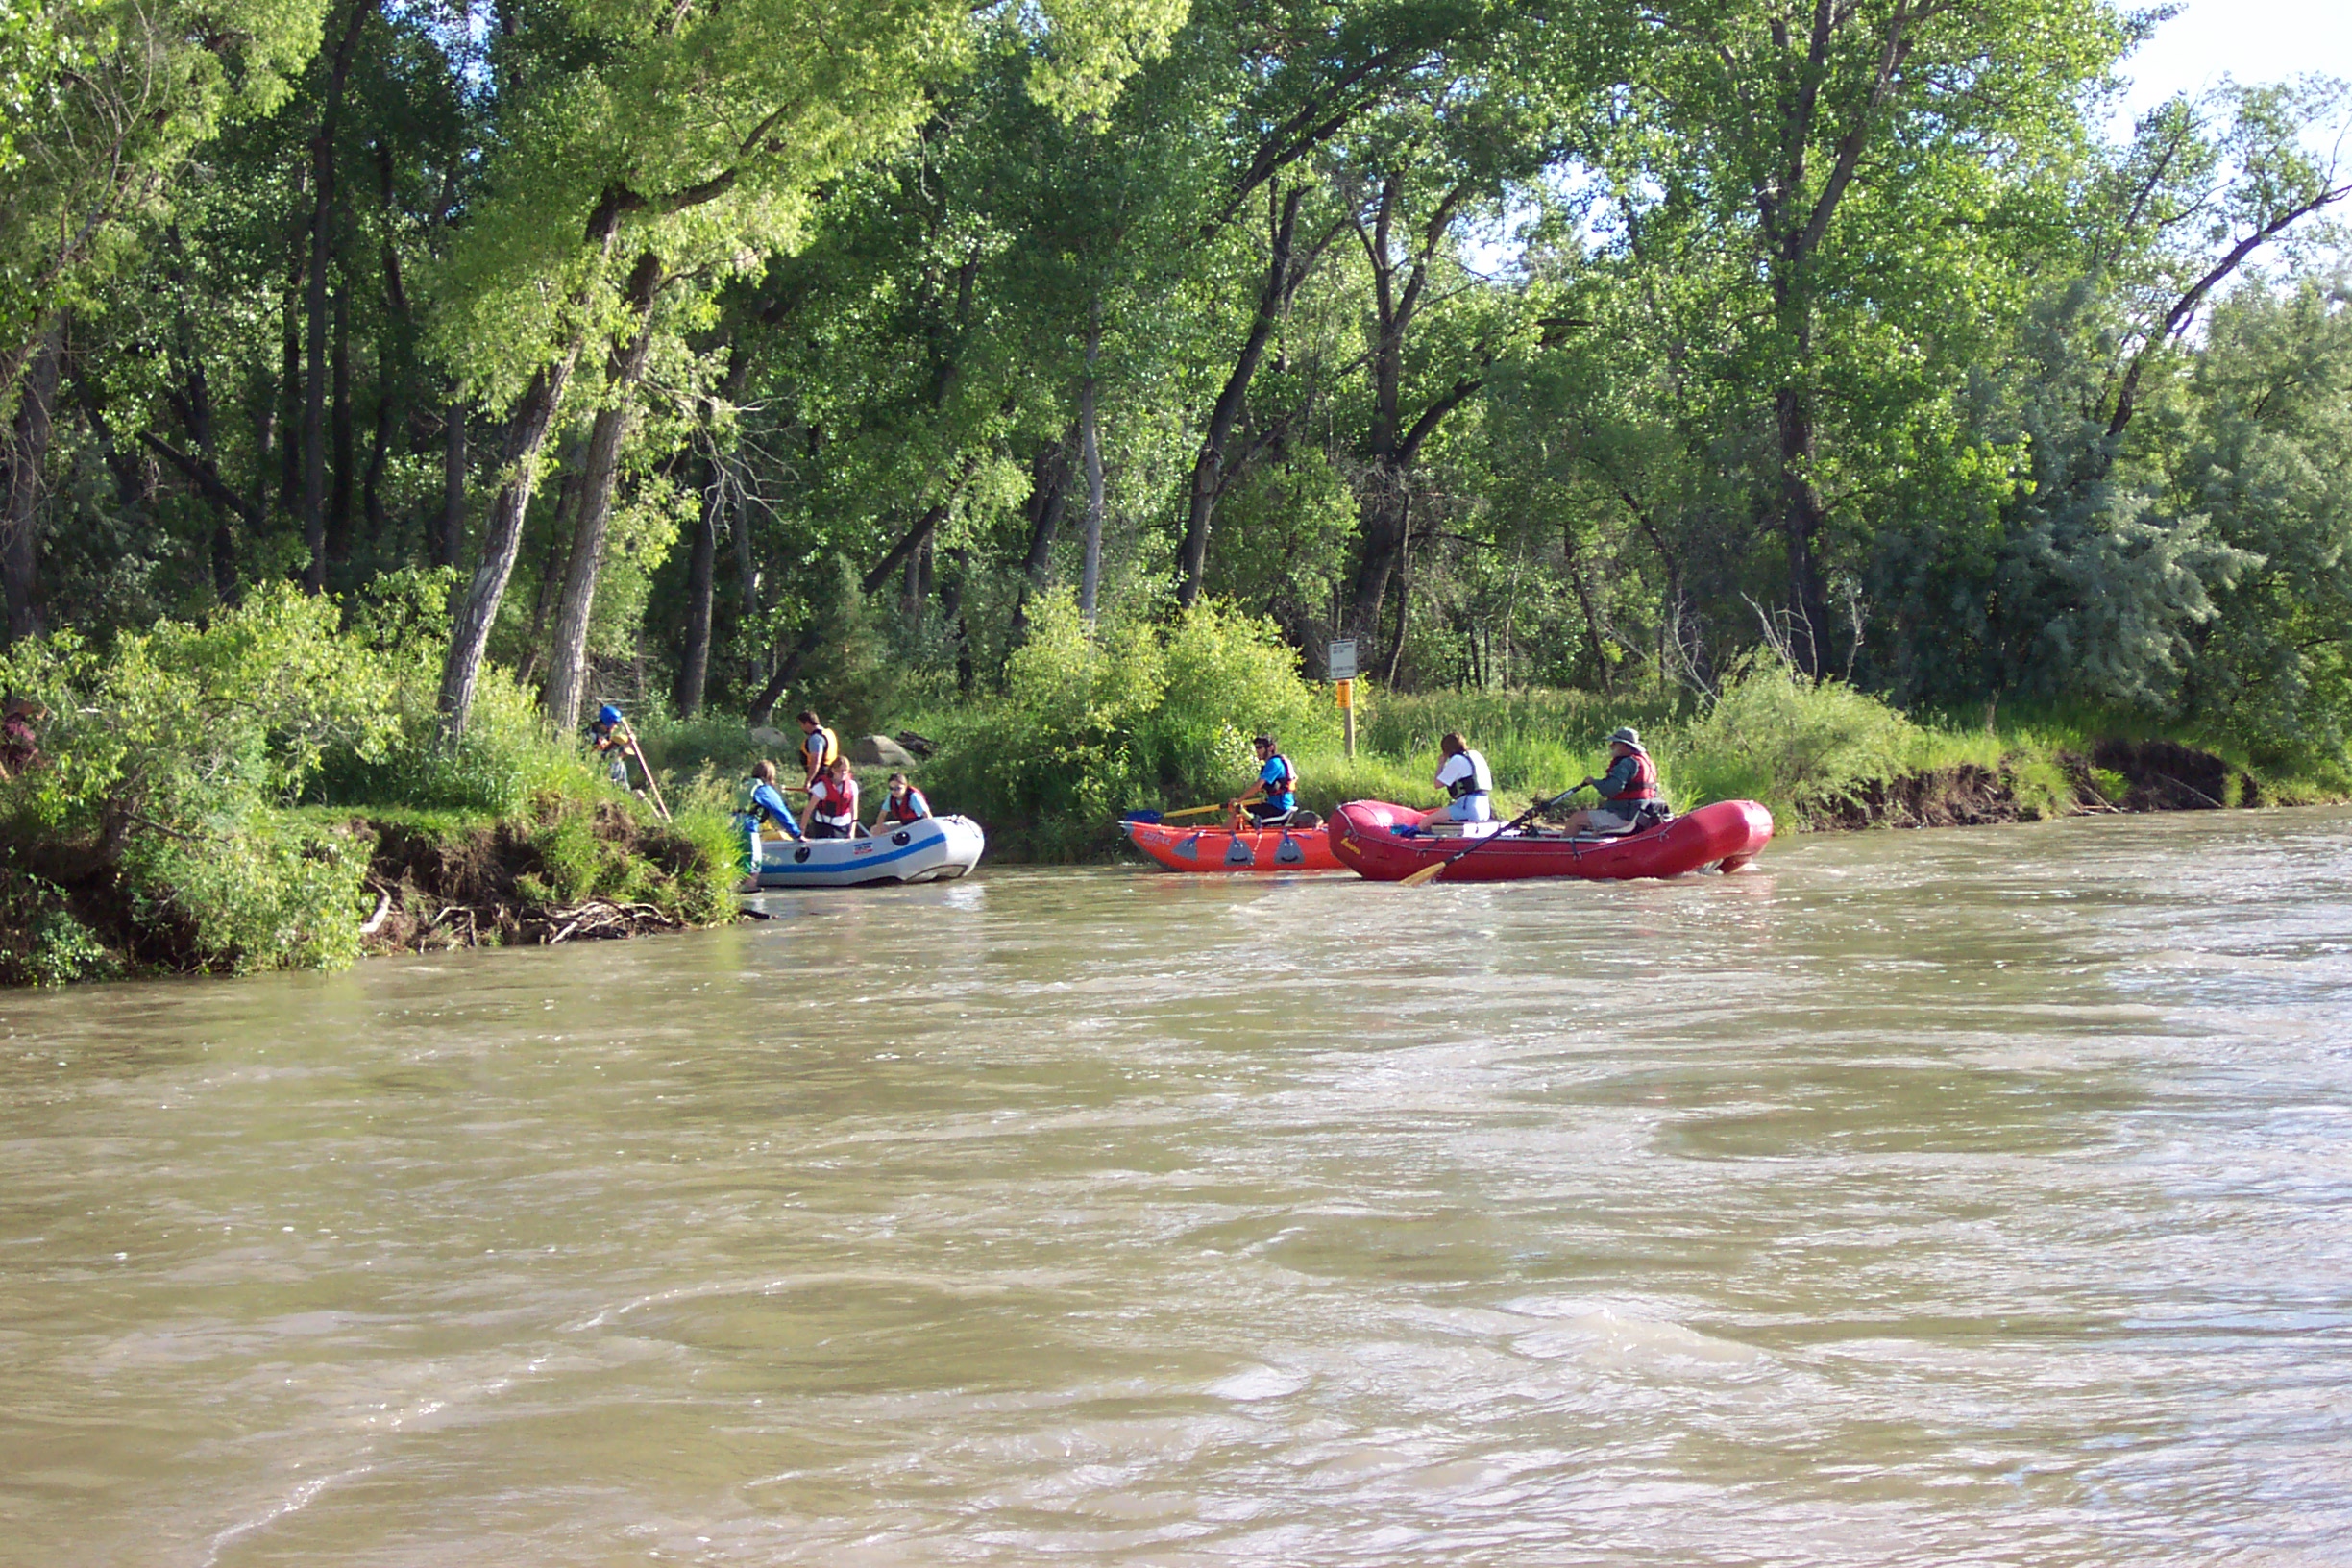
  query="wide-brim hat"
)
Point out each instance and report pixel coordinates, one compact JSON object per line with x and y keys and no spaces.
{"x":1627,"y":737}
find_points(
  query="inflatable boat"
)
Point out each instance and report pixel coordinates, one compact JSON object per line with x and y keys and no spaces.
{"x":932,"y":850}
{"x":1383,"y":841}
{"x":1182,"y":849}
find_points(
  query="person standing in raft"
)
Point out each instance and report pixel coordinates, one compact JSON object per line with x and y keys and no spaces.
{"x":832,"y":810}
{"x":1275,"y":794}
{"x":820,"y":746}
{"x":1468,"y":782}
{"x":1629,"y":790}
{"x":903,"y":803}
{"x":768,"y":807}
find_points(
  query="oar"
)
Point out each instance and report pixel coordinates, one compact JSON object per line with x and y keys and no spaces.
{"x":1429,"y":873}
{"x":1163,"y":815}
{"x":651,"y":783}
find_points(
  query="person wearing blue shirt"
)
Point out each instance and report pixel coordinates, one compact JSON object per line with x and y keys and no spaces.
{"x":768,"y":807}
{"x":903,"y":803}
{"x":1275,"y":794}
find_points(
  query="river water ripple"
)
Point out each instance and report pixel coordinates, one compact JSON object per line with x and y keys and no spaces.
{"x":1914,"y":1199}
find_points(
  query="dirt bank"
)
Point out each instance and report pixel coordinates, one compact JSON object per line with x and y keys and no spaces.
{"x":2118,"y":776}
{"x":596,"y":874}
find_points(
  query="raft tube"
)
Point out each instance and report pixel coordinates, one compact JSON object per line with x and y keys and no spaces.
{"x":1378,"y":840}
{"x":928,"y":849}
{"x":1182,"y":849}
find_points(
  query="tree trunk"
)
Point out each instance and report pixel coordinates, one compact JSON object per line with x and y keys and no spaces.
{"x":1209,"y":475}
{"x":1802,"y":513}
{"x":701,"y":568}
{"x":526,"y":434}
{"x":1592,"y":613}
{"x":321,"y":253}
{"x":1048,"y":498}
{"x":550,"y":569}
{"x":747,"y":589}
{"x":339,"y":436}
{"x":567,"y":668}
{"x":28,"y":454}
{"x":448,"y":539}
{"x":1089,"y":439}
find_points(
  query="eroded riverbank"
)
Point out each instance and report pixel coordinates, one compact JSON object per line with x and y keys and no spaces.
{"x":1919,"y":1198}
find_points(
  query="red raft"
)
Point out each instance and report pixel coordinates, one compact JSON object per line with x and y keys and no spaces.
{"x":1728,"y":834}
{"x":1182,"y":849}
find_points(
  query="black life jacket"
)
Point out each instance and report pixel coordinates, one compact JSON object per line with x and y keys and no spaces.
{"x":1289,"y":783}
{"x":1479,"y":782}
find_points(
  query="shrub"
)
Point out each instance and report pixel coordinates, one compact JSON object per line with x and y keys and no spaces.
{"x":1791,"y":743}
{"x":168,"y":756}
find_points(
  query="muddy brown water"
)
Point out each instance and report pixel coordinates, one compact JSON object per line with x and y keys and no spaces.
{"x":1975,"y":1196}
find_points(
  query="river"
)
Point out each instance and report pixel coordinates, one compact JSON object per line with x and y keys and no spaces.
{"x":1922,"y":1198}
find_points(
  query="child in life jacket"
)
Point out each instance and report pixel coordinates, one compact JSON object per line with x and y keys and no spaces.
{"x":832,"y":811}
{"x":905,"y":803}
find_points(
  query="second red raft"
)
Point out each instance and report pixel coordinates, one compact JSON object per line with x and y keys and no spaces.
{"x":1182,"y":849}
{"x":1365,"y":838}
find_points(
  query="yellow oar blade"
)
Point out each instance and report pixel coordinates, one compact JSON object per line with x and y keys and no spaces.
{"x":1427,"y":873}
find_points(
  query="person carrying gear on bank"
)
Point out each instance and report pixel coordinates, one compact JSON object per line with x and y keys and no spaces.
{"x":1629,"y":798}
{"x":607,"y":738}
{"x":832,"y":810}
{"x":903,"y":803}
{"x":1468,"y":782}
{"x":1274,"y":797}
{"x":820,"y":746}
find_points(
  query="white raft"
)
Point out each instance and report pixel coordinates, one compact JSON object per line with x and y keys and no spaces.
{"x":929,"y":849}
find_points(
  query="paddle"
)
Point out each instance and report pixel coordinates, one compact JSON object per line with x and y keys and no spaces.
{"x":1148,"y":816}
{"x":651,"y":783}
{"x":1429,"y":873}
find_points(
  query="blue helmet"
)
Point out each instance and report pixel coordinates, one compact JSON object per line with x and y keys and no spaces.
{"x":609,"y":715}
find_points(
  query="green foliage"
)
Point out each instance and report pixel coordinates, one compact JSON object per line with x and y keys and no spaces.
{"x":169,"y":757}
{"x":1775,"y":737}
{"x":1093,"y":723}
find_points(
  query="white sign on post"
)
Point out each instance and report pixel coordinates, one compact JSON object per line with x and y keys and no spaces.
{"x":1341,"y":656}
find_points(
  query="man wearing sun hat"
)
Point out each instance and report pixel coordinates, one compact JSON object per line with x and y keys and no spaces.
{"x":1629,"y":790}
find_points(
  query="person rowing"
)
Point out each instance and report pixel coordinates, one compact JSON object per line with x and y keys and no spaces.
{"x":832,"y":810}
{"x":1274,"y":797}
{"x":903,"y":803}
{"x":1468,"y":782}
{"x":1629,"y":790}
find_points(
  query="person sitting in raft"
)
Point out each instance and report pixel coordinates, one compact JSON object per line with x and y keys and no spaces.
{"x":1468,"y":782}
{"x":1275,"y":794}
{"x":768,"y":807}
{"x":832,"y":809}
{"x":606,"y":739}
{"x":820,"y":746}
{"x":1629,"y":790}
{"x":903,"y":804}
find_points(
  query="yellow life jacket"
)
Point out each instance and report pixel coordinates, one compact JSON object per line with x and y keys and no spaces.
{"x":832,"y":748}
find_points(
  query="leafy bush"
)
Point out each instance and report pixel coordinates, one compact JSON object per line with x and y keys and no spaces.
{"x":168,"y":757}
{"x":1094,"y":722}
{"x":1789,"y":743}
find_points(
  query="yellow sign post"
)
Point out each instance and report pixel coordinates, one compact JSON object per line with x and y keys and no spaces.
{"x":1347,"y":712}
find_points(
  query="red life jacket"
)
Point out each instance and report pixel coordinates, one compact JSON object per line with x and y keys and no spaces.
{"x":914,"y":808}
{"x":836,"y":805}
{"x":1644,"y":786}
